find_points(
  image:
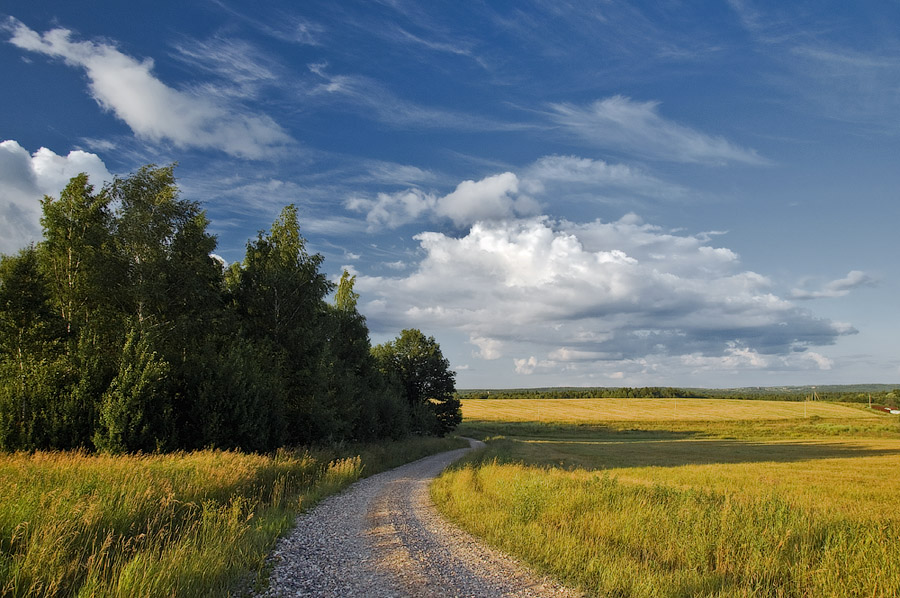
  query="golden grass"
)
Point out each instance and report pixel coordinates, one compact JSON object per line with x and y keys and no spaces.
{"x":186,"y":524}
{"x":644,"y":507}
{"x":645,"y":410}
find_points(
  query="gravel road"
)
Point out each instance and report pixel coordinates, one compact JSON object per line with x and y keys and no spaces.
{"x":382,"y":537}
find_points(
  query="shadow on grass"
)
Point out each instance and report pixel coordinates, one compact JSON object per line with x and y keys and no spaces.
{"x":559,"y":431}
{"x":602,"y":447}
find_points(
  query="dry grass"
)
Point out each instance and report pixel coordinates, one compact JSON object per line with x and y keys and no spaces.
{"x":188,"y":524}
{"x":766,"y":507}
{"x":652,"y":410}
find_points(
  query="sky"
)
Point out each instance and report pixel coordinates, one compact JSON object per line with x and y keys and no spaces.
{"x":562,"y":193}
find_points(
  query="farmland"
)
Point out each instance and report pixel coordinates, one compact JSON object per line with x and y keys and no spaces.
{"x":726,"y":498}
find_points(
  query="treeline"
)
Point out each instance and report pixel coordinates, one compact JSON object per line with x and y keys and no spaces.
{"x":120,"y":332}
{"x":832,"y":393}
{"x":880,"y":397}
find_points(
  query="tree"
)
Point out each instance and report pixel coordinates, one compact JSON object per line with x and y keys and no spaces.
{"x":279,"y":296}
{"x":416,"y":365}
{"x":75,"y":252}
{"x":136,"y":414}
{"x":30,"y":349}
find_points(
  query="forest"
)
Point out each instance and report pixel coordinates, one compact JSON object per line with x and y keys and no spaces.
{"x":121,"y":332}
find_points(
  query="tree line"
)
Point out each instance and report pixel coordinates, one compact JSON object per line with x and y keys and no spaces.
{"x":831,"y":393}
{"x":119,"y":331}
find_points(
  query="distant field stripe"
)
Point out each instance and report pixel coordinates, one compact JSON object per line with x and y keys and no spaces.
{"x":600,"y":410}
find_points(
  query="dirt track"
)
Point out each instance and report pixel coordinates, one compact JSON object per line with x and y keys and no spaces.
{"x":383,"y":537}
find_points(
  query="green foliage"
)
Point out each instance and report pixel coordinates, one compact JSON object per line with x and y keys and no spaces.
{"x":135,"y":414}
{"x":415,"y":364}
{"x":120,"y":332}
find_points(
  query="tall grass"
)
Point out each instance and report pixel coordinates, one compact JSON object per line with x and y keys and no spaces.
{"x":187,"y":524}
{"x":801,"y":508}
{"x":618,"y":539}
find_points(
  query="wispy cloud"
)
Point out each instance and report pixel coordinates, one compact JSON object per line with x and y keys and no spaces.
{"x":560,"y":174}
{"x":837,"y":288}
{"x":622,"y":124}
{"x":154,"y":111}
{"x":284,"y":26}
{"x":849,"y":80}
{"x":372,"y":99}
{"x":243,"y":67}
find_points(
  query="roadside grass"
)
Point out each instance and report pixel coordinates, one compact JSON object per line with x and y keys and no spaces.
{"x":185,"y":524}
{"x":772,"y":507}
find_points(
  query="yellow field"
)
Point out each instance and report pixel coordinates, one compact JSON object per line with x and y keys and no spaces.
{"x":605,"y":410}
{"x":720,"y":498}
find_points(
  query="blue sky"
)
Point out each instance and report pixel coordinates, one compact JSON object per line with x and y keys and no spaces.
{"x":562,"y":193}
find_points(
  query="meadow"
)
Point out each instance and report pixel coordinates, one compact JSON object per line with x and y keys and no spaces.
{"x":724,"y":498}
{"x":185,"y":524}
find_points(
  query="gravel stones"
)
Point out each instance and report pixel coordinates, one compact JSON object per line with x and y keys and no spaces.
{"x":382,"y":537}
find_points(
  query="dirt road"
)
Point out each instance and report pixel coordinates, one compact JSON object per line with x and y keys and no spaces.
{"x":383,"y":537}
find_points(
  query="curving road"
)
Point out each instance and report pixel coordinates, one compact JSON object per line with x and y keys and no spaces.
{"x":382,"y":537}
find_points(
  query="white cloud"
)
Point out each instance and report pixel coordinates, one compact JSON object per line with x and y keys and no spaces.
{"x":507,"y":195}
{"x":393,"y":209}
{"x":495,"y":197}
{"x":242,"y":65}
{"x":488,"y":348}
{"x":596,"y":295}
{"x":153,"y":110}
{"x":561,"y":174}
{"x":623,"y":124}
{"x":526,"y":366}
{"x":492,"y":198}
{"x":24,"y":180}
{"x":837,"y":288}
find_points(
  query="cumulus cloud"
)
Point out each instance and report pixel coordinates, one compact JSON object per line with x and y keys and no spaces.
{"x":492,"y":198}
{"x":154,"y":111}
{"x":837,"y":288}
{"x":25,"y":178}
{"x":623,"y":124}
{"x":508,"y":195}
{"x":488,"y":348}
{"x":563,"y":296}
{"x":495,"y":197}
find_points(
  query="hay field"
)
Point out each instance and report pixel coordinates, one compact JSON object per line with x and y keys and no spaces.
{"x":646,"y":410}
{"x":767,"y":503}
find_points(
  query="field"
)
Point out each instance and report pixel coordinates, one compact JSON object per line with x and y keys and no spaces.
{"x":651,"y":410}
{"x":624,"y":498}
{"x":185,"y":524}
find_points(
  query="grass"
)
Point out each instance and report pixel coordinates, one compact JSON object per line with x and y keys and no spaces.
{"x":653,"y":410}
{"x":764,"y":505}
{"x":189,"y":524}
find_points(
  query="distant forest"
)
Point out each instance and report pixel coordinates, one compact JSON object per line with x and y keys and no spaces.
{"x":119,"y":331}
{"x":882,"y":394}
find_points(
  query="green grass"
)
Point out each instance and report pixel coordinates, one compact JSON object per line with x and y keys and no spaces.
{"x":768,"y":507}
{"x":189,"y":524}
